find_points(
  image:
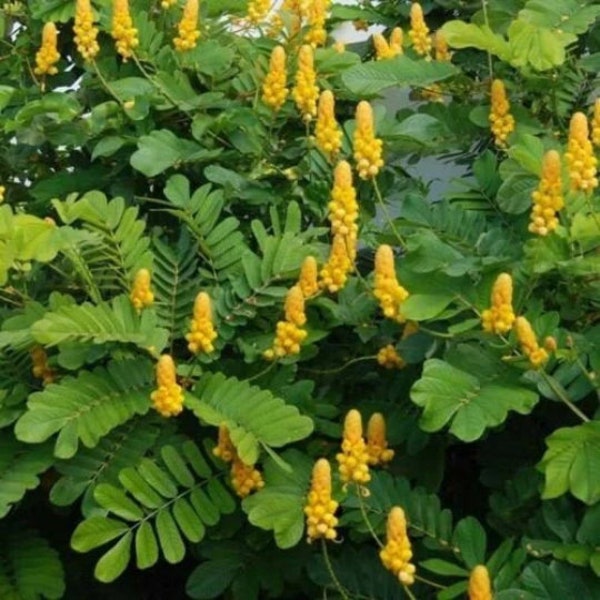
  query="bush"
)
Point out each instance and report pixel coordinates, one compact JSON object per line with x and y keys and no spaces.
{"x":212,"y":277}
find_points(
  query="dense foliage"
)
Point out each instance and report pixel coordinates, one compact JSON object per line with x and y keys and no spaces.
{"x":211,"y":277}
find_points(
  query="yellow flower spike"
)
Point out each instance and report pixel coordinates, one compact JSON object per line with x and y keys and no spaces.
{"x":353,"y":460}
{"x":334,"y":273}
{"x":397,"y":552}
{"x":367,"y":148}
{"x":596,"y":124}
{"x":581,"y":162}
{"x":202,"y":333}
{"x":48,"y":55}
{"x":274,"y":90}
{"x":41,"y":369}
{"x":499,"y":318}
{"x":167,"y":399}
{"x":225,"y":450}
{"x":442,"y":52}
{"x":306,"y":91}
{"x":258,"y":11}
{"x":529,"y":344}
{"x":396,"y":40}
{"x":389,"y":358}
{"x":245,"y":479}
{"x":188,"y":32}
{"x":141,"y":295}
{"x":419,"y":32}
{"x":308,"y":277}
{"x":501,"y":121}
{"x":85,"y":31}
{"x":123,"y":31}
{"x":320,"y":507}
{"x":388,"y":290}
{"x":343,"y":207}
{"x":480,"y":587}
{"x":377,"y":445}
{"x":289,"y":334}
{"x":548,"y":198}
{"x":328,"y":133}
{"x":382,"y":48}
{"x":317,"y":16}
{"x":294,"y":306}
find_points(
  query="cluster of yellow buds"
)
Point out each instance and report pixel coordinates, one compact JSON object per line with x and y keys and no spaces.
{"x":202,"y":333}
{"x":502,"y":122}
{"x":388,"y":290}
{"x":141,"y":295}
{"x":245,"y":479}
{"x":397,"y":552}
{"x":123,"y":31}
{"x":328,"y":133}
{"x":596,"y":123}
{"x":308,"y":277}
{"x":258,"y":10}
{"x":85,"y":31}
{"x":343,"y":207}
{"x":529,"y":345}
{"x":306,"y":91}
{"x":167,"y":399}
{"x":317,"y":15}
{"x":353,"y":460}
{"x":389,"y":358}
{"x":499,"y":318}
{"x":320,"y":507}
{"x":367,"y":148}
{"x":480,"y":587}
{"x":47,"y":56}
{"x":580,"y":157}
{"x":385,"y":50}
{"x":334,"y":274}
{"x":41,"y":369}
{"x":419,"y":32}
{"x":377,"y":445}
{"x":440,"y":46}
{"x":188,"y":28}
{"x":274,"y":90}
{"x":548,"y":198}
{"x":289,"y":334}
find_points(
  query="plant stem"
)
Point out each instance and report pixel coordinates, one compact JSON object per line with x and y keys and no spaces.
{"x":387,"y":214}
{"x":560,"y":393}
{"x":345,"y":365}
{"x":408,"y":592}
{"x":429,"y":582}
{"x":331,"y":572}
{"x":486,"y":20}
{"x":105,"y":83}
{"x":363,"y":511}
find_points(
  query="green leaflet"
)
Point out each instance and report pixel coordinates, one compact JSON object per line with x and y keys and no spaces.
{"x":29,"y":567}
{"x":572,"y":462}
{"x":154,"y":507}
{"x":87,"y":407}
{"x":253,"y":416}
{"x":279,"y":506}
{"x":450,"y":395}
{"x":20,"y":468}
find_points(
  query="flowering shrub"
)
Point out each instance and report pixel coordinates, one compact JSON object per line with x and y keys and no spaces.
{"x":228,"y":240}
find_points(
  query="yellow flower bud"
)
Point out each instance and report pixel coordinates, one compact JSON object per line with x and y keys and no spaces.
{"x":548,"y":198}
{"x":47,"y":56}
{"x":306,"y":91}
{"x":202,"y":333}
{"x":308,"y":277}
{"x":397,"y":552}
{"x":316,"y":35}
{"x":499,"y":318}
{"x":343,"y":207}
{"x":388,"y":290}
{"x":258,"y":10}
{"x":320,"y":507}
{"x":367,"y":148}
{"x":245,"y":479}
{"x":480,"y":587}
{"x":289,"y":334}
{"x":502,"y":122}
{"x":377,"y":445}
{"x":167,"y":399}
{"x":141,"y":295}
{"x":580,"y":157}
{"x":294,"y":306}
{"x":339,"y":47}
{"x":328,"y":133}
{"x":334,"y":273}
{"x":529,"y":344}
{"x":274,"y":90}
{"x":442,"y":53}
{"x":188,"y":27}
{"x":353,"y":460}
{"x":225,"y":450}
{"x":41,"y":369}
{"x":389,"y":358}
{"x":419,"y":32}
{"x":85,"y":31}
{"x":123,"y":31}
